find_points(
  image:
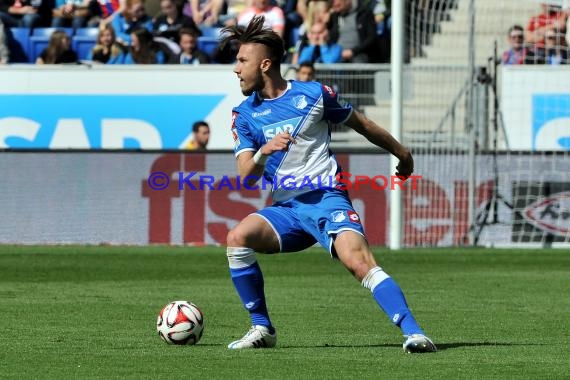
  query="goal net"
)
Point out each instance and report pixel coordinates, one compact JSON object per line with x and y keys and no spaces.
{"x":491,"y":139}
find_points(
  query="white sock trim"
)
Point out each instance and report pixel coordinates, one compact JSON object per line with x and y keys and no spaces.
{"x":373,"y":278}
{"x":240,"y":257}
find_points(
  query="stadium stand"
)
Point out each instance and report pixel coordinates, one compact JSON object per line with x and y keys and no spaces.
{"x":83,"y":41}
{"x":39,"y":40}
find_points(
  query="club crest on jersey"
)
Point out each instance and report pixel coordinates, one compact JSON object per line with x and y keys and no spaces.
{"x":269,"y":131}
{"x":353,"y":216}
{"x":300,"y":102}
{"x":338,"y":216}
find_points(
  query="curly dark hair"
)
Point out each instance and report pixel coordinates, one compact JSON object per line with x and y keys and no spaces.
{"x":255,"y":33}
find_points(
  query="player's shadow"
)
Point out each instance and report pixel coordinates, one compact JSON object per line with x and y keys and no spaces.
{"x":440,"y":346}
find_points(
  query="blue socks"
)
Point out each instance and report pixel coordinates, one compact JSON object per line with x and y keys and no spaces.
{"x":248,"y":281}
{"x":391,"y":300}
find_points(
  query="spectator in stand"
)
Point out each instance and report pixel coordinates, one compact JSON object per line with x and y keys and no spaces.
{"x":306,"y":72}
{"x":107,"y":50}
{"x":320,"y":49}
{"x":190,"y":54}
{"x":74,"y":13}
{"x":551,"y":18}
{"x":554,"y":52}
{"x":58,"y":50}
{"x":205,"y":12}
{"x":171,"y":20}
{"x":354,"y":28}
{"x":143,"y":49}
{"x":200,"y":136}
{"x":104,"y":11}
{"x":21,"y":13}
{"x":518,"y":53}
{"x":134,"y":17}
{"x":4,"y":51}
{"x":274,"y":17}
{"x":312,"y":11}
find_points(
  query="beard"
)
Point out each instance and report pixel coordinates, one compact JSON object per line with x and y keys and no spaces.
{"x":257,"y":85}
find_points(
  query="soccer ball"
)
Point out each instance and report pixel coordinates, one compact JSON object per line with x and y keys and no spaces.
{"x":180,"y":322}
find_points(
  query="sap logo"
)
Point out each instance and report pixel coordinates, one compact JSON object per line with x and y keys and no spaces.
{"x":550,"y":214}
{"x":270,"y":131}
{"x":100,"y":121}
{"x":71,"y":133}
{"x":551,"y":122}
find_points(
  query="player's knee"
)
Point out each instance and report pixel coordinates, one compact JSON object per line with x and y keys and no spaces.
{"x":236,"y":238}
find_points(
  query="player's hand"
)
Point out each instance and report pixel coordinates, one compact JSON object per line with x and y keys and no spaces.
{"x":405,"y":167}
{"x":279,"y":143}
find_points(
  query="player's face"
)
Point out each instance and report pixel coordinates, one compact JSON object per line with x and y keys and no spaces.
{"x":248,"y":68}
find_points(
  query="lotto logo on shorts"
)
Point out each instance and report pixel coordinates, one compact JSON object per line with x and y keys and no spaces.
{"x":353,"y":216}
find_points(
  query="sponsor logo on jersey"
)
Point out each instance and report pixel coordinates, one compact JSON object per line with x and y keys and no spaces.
{"x":300,"y":102}
{"x":353,"y":216}
{"x":329,"y":90}
{"x":550,"y":214}
{"x":262,"y":113}
{"x":269,"y":131}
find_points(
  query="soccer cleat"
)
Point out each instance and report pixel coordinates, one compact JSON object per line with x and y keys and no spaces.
{"x":418,"y":343}
{"x":256,"y":337}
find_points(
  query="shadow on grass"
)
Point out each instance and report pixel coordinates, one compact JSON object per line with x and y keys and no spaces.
{"x":440,"y":346}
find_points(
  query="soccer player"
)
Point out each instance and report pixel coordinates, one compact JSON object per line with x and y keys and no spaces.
{"x":281,"y":131}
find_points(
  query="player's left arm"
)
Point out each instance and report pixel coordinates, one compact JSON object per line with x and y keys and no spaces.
{"x":383,"y":139}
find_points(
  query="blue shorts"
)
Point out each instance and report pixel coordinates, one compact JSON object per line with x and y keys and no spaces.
{"x":317,"y":216}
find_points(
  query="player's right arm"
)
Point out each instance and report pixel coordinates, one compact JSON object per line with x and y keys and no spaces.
{"x":252,"y":164}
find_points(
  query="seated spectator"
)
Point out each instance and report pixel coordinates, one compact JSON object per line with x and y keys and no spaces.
{"x":143,"y":49}
{"x":170,"y":20}
{"x":306,"y":72}
{"x":21,"y":13}
{"x":200,"y":136}
{"x":205,"y":12}
{"x":190,"y":54}
{"x":58,"y":50}
{"x":274,"y":17}
{"x":133,"y":17}
{"x":104,"y":11}
{"x":353,"y":28}
{"x":312,"y":11}
{"x":107,"y":50}
{"x":551,"y":18}
{"x":320,"y":49}
{"x":554,"y":52}
{"x":517,"y":54}
{"x":4,"y":52}
{"x":74,"y":13}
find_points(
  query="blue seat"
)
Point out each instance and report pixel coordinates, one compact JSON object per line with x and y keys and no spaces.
{"x":40,"y":40}
{"x":46,"y":32}
{"x":210,"y":31}
{"x":87,"y":32}
{"x":83,"y":41}
{"x":19,"y":44}
{"x":208,"y":45}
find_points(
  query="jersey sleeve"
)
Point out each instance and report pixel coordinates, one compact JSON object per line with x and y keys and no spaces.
{"x":243,"y":139}
{"x":336,"y":110}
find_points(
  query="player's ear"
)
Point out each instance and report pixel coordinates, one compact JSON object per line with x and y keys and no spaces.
{"x":265,"y":65}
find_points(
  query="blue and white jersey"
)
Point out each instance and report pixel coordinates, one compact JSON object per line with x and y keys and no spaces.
{"x":305,"y":110}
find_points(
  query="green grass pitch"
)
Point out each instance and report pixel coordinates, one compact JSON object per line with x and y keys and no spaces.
{"x":90,"y":312}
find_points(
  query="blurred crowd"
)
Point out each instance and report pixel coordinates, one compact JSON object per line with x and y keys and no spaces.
{"x":186,"y":31}
{"x":543,"y":41}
